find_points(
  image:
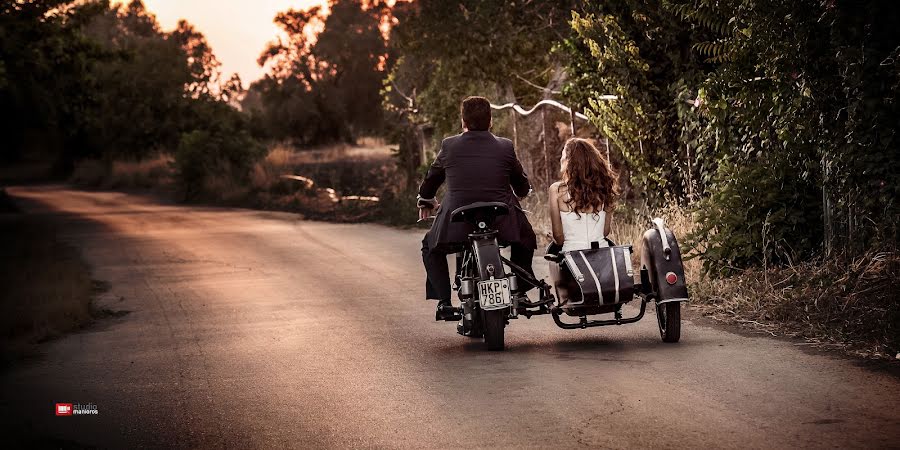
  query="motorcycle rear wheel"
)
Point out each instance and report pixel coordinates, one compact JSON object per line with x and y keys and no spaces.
{"x":494,"y":324}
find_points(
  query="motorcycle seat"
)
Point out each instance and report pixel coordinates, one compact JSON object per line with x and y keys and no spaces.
{"x":480,"y":214}
{"x":495,"y":208}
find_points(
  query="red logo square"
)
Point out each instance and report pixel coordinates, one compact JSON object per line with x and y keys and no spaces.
{"x":63,"y":409}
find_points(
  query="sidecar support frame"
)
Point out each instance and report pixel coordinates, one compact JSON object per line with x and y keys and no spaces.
{"x":585,"y":323}
{"x":546,"y":299}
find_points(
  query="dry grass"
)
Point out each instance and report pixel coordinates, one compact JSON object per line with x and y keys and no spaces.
{"x":325,"y":182}
{"x":346,"y":178}
{"x":848,"y":303}
{"x":47,"y":287}
{"x":344,"y":153}
{"x":225,"y":189}
{"x":285,"y":160}
{"x":266,"y":174}
{"x":145,"y":174}
{"x":149,"y":173}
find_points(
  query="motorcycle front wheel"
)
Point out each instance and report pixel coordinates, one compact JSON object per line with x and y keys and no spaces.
{"x":494,"y":323}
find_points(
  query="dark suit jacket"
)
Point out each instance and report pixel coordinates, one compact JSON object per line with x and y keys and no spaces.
{"x":478,"y":167}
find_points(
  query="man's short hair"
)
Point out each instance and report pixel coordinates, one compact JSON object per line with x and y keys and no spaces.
{"x":476,"y":113}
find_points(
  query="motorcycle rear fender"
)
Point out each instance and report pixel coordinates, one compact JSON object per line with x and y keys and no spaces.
{"x":660,"y":255}
{"x":487,"y":256}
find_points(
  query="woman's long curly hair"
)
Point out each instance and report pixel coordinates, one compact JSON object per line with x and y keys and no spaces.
{"x":590,"y":181}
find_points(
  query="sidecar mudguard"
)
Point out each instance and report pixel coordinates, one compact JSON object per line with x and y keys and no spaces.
{"x":661,"y":257}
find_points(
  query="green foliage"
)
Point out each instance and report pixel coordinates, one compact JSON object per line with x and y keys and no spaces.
{"x":634,"y":50}
{"x":779,"y":116}
{"x":475,"y":47}
{"x":811,"y":133}
{"x":757,"y":214}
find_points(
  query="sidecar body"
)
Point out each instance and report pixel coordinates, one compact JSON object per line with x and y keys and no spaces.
{"x":601,"y":280}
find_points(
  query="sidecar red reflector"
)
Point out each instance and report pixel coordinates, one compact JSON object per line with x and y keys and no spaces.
{"x":671,"y":278}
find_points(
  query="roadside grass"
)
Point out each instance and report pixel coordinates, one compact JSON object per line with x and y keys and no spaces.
{"x":142,"y":174}
{"x":47,"y":287}
{"x":851,"y":304}
{"x":152,"y":173}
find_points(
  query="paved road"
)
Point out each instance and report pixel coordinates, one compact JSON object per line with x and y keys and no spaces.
{"x":252,"y":329}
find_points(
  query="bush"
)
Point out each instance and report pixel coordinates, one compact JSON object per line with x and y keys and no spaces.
{"x":89,"y":173}
{"x":220,"y":147}
{"x":759,"y":213}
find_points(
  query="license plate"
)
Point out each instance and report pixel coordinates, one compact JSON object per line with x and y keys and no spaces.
{"x":494,"y":294}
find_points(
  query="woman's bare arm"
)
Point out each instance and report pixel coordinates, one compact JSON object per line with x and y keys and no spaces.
{"x":607,"y":226}
{"x":555,"y":219}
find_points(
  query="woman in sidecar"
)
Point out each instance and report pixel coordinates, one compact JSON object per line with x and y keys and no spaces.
{"x":592,"y":275}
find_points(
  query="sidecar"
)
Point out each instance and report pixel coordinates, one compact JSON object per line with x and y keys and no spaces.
{"x":601,"y":280}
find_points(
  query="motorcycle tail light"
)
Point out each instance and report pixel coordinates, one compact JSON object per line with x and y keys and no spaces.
{"x":671,"y":278}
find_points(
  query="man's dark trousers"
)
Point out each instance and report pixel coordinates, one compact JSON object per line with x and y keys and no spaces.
{"x":437,"y":283}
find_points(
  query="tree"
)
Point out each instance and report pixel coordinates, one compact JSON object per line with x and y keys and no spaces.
{"x":326,"y":85}
{"x":803,"y":88}
{"x":140,"y":91}
{"x":88,"y":79}
{"x":44,"y":80}
{"x":449,"y":50}
{"x":202,"y":63}
{"x":477,"y":46}
{"x":218,"y":146}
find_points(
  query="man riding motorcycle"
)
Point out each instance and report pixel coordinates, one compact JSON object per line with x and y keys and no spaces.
{"x":478,"y":167}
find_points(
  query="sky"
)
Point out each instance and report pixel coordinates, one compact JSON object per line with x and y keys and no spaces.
{"x":237,"y":30}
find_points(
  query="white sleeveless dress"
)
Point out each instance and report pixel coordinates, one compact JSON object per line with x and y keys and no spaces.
{"x":580,"y":229}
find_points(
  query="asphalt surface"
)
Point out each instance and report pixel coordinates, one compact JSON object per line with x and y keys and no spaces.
{"x":249,"y":329}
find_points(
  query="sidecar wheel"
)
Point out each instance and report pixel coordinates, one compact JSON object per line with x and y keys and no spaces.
{"x":494,"y":324}
{"x":668,"y":316}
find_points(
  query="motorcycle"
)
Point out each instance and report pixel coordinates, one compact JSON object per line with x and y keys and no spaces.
{"x":492,"y":289}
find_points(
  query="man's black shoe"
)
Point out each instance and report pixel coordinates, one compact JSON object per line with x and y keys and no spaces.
{"x":446,"y":311}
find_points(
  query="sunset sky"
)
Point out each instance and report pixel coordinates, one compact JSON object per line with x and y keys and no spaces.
{"x":237,"y":30}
